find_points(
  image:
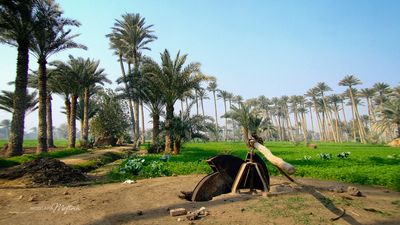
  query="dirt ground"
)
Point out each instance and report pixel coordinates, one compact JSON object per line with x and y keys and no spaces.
{"x":149,"y":201}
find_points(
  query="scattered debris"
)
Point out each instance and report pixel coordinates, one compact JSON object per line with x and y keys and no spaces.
{"x":353,"y":191}
{"x":129,"y":182}
{"x":242,"y":210}
{"x":139,"y":212}
{"x":32,"y":198}
{"x":178,"y":212}
{"x":66,"y":193}
{"x":45,"y":171}
{"x":198,"y":214}
{"x":340,"y":216}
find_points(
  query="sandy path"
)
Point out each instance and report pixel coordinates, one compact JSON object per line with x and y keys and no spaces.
{"x":93,"y":154}
{"x":120,"y":204}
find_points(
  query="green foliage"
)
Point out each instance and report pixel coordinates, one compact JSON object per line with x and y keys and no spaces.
{"x":132,"y":166}
{"x":111,"y":119}
{"x":369,"y":164}
{"x":324,"y":156}
{"x":16,"y":160}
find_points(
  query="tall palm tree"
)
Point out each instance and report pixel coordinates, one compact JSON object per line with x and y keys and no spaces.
{"x":90,"y":76}
{"x":224,"y":96}
{"x":202,"y":94}
{"x":134,"y":35}
{"x":118,"y":45}
{"x":69,"y":75}
{"x":16,"y":26}
{"x":322,"y":87}
{"x":368,"y":94}
{"x":335,"y":100}
{"x":350,"y":81}
{"x":152,"y":96}
{"x":49,"y":37}
{"x":212,"y":87}
{"x":390,"y":115}
{"x":173,"y":80}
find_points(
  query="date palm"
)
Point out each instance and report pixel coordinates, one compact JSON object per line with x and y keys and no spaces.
{"x":50,"y":36}
{"x":322,"y":87}
{"x":133,"y":36}
{"x":368,"y":94}
{"x":16,"y":26}
{"x":202,"y":94}
{"x":350,"y":81}
{"x":91,"y":76}
{"x":224,"y":96}
{"x":212,"y":87}
{"x":390,"y":115}
{"x":173,"y":80}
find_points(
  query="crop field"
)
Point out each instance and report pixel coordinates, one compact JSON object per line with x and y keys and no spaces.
{"x":32,"y":143}
{"x":364,"y":164}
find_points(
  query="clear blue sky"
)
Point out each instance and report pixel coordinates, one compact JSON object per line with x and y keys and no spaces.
{"x":254,"y":48}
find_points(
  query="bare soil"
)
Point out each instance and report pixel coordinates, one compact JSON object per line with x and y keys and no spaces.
{"x":149,"y":201}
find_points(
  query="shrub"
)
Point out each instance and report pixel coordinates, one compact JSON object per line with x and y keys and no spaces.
{"x":343,"y":155}
{"x":325,"y":156}
{"x":132,"y":166}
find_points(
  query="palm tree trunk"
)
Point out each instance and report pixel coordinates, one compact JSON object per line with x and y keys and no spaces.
{"x":16,"y":137}
{"x":50,"y":140}
{"x":182,"y":109}
{"x":85,"y":128}
{"x":156,"y":127}
{"x":202,"y":106}
{"x":360,"y":124}
{"x":344,"y":114}
{"x":197,"y":102}
{"x":72,"y":123}
{"x":304,"y":125}
{"x":216,"y":115}
{"x":142,"y":117}
{"x":246,"y":136}
{"x":226,"y":122}
{"x":137,"y":128}
{"x":42,"y":86}
{"x":177,"y":146}
{"x":312,"y":120}
{"x":130,"y":106}
{"x":168,"y":127}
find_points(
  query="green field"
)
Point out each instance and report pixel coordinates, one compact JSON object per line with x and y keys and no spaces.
{"x":367,"y":164}
{"x":33,"y":143}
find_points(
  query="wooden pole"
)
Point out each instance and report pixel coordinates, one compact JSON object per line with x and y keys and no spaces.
{"x":286,"y":167}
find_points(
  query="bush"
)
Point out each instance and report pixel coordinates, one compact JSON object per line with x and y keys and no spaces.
{"x":132,"y":166}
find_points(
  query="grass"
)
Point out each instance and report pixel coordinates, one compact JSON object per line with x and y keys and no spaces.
{"x":367,"y":164}
{"x":16,"y":160}
{"x":96,"y":163}
{"x":32,"y":143}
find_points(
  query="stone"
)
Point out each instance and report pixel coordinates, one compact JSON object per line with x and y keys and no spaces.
{"x":178,"y":212}
{"x":66,"y":193}
{"x":353,"y":191}
{"x":139,"y":212}
{"x":312,"y":146}
{"x":32,"y":198}
{"x":395,"y":143}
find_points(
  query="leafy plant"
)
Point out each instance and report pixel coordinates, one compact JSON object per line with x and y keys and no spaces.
{"x":132,"y":166}
{"x":343,"y":155}
{"x":155,"y":169}
{"x":325,"y":156}
{"x":307,"y":157}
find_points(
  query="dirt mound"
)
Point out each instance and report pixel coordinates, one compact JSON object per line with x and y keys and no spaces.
{"x":45,"y":171}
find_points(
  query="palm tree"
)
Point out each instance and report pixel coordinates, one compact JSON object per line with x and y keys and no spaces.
{"x":382,"y":89}
{"x":322,"y":87}
{"x":16,"y":26}
{"x":368,"y":94}
{"x":390,"y":115}
{"x":224,"y":95}
{"x":49,"y":37}
{"x":335,"y":99}
{"x":152,"y":96}
{"x":212,"y":87}
{"x":202,"y":94}
{"x":173,"y":80}
{"x":350,"y":81}
{"x":69,"y":77}
{"x":135,"y":35}
{"x":91,"y":76}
